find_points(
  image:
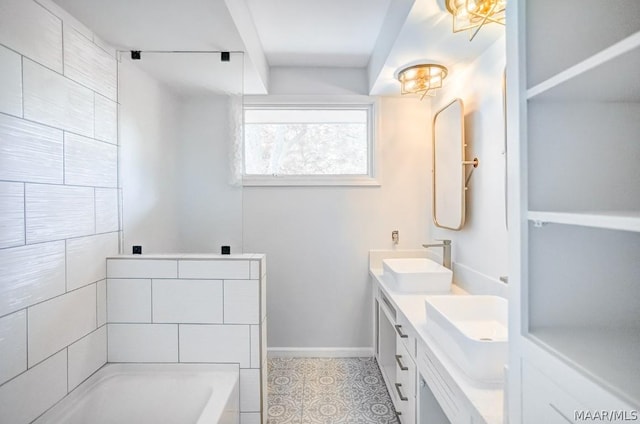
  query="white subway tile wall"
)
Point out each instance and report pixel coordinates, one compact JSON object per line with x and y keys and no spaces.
{"x":11,"y":214}
{"x":128,"y":300}
{"x":105,"y":119}
{"x":86,"y":258}
{"x":216,"y":343}
{"x":31,"y":30}
{"x":86,"y":356}
{"x":142,"y":342}
{"x":57,"y":323}
{"x":54,"y":100}
{"x":30,"y":152}
{"x":10,"y":82}
{"x":56,"y":212}
{"x":187,"y":301}
{"x":241,"y":302}
{"x":13,"y":349}
{"x":31,"y":274}
{"x":31,"y":393}
{"x":194,"y":311}
{"x":88,"y":162}
{"x":58,"y":204}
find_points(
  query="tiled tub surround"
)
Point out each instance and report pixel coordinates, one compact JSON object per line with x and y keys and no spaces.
{"x":58,"y":204}
{"x":192,"y":309}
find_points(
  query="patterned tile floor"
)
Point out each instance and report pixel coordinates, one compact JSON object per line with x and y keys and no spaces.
{"x":327,"y":391}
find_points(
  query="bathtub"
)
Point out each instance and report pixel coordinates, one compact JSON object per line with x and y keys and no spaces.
{"x":151,"y":393}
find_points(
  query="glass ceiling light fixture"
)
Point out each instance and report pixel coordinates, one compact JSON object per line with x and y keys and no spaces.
{"x":421,"y":79}
{"x":469,"y":14}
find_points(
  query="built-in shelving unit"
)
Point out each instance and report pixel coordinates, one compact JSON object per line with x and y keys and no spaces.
{"x":612,"y":220}
{"x":579,"y":152}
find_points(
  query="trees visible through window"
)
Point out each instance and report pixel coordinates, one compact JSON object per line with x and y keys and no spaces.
{"x":285,"y":141}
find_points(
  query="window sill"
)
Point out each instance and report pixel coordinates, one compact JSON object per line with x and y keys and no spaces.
{"x":311,"y":181}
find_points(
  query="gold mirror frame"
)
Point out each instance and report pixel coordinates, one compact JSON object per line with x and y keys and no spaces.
{"x":456,"y":162}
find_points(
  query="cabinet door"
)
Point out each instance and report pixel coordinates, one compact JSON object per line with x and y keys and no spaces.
{"x":544,"y":401}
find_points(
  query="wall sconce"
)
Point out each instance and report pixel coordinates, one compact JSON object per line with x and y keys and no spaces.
{"x":422,"y":79}
{"x":469,"y":14}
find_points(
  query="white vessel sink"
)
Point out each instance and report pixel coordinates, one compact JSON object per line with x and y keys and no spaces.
{"x":472,"y":331}
{"x":418,"y":275}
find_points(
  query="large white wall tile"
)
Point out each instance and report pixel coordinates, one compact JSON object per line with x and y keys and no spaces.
{"x":31,"y":274}
{"x":87,"y":355}
{"x":106,"y":119}
{"x":54,"y":100}
{"x":31,"y":30}
{"x":215,"y":269}
{"x":187,"y":301}
{"x":255,"y":346}
{"x":241,"y":302}
{"x":58,"y":212}
{"x":10,"y":82}
{"x":59,"y":322}
{"x":128,"y":300}
{"x":27,"y":396}
{"x":11,"y":214}
{"x":101,"y":301}
{"x":89,"y":64}
{"x":87,"y":258}
{"x":142,"y":268}
{"x":249,"y":390}
{"x":250,"y":418}
{"x":13,"y":345}
{"x":65,"y":16}
{"x":89,"y":162}
{"x":30,"y":152}
{"x":254,"y":270}
{"x":107,"y":210}
{"x":142,"y":342}
{"x":215,"y":343}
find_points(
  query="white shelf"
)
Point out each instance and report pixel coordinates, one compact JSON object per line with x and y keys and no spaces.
{"x":612,"y":220}
{"x":605,"y":76}
{"x":609,"y":356}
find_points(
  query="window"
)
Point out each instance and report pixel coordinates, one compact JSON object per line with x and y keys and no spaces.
{"x":308,"y":145}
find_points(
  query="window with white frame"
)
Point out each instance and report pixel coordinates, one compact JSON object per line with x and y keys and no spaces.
{"x":308,"y":145}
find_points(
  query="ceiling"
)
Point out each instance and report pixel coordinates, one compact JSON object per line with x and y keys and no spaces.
{"x":379,"y":36}
{"x":318,"y":33}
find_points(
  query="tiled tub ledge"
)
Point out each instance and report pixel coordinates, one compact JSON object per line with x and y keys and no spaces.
{"x":192,"y":308}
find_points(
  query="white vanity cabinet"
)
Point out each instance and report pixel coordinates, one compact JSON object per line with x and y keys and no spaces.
{"x":573,"y":108}
{"x":395,"y":353}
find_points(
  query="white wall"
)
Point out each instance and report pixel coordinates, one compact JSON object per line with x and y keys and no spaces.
{"x":210,"y":203}
{"x":482,"y":243}
{"x":58,"y":204}
{"x":175,"y":166}
{"x":317,"y":238}
{"x":149,"y":161}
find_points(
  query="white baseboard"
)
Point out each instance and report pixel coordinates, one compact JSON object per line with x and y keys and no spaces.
{"x":319,"y":352}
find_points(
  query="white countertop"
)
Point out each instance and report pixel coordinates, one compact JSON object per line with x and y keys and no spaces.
{"x":486,"y":401}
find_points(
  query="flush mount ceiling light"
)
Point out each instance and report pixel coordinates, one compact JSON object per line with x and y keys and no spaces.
{"x":469,"y":14}
{"x":422,"y":79}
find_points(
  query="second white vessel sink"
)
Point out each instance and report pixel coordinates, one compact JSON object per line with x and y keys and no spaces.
{"x":418,"y":275}
{"x":473,"y":331}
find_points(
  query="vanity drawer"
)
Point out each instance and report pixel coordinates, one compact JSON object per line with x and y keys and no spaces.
{"x":406,"y":335}
{"x":545,"y":402}
{"x":405,"y":371}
